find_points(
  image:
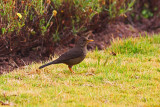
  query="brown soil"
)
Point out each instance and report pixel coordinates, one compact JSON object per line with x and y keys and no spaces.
{"x":18,"y":49}
{"x":102,"y":36}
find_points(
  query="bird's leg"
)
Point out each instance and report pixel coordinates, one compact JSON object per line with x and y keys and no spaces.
{"x":70,"y":68}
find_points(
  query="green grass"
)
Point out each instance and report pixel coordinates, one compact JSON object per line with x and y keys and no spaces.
{"x":131,"y":78}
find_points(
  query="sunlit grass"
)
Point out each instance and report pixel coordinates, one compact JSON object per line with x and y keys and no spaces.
{"x":131,"y":78}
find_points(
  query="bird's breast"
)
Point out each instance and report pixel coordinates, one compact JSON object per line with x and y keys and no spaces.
{"x":84,"y":50}
{"x":75,"y":60}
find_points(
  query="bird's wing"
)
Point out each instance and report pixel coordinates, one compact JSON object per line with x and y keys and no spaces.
{"x":71,"y":54}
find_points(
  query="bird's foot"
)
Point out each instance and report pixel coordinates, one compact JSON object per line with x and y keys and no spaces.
{"x":71,"y":70}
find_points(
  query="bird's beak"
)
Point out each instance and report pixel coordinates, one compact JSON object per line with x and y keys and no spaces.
{"x":90,"y":40}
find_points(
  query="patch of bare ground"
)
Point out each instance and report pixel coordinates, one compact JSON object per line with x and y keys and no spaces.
{"x":102,"y":36}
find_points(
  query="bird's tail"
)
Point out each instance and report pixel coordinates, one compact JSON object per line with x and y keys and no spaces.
{"x":53,"y":62}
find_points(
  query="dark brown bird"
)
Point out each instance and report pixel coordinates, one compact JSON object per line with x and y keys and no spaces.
{"x":73,"y":56}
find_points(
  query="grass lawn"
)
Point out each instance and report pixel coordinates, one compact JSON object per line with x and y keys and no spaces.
{"x":131,"y":78}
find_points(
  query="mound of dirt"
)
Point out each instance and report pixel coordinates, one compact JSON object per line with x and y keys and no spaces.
{"x":102,"y":37}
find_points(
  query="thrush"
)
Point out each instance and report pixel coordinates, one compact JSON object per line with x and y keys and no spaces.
{"x":73,"y":56}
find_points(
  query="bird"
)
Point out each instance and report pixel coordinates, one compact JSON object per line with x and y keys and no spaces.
{"x":74,"y":56}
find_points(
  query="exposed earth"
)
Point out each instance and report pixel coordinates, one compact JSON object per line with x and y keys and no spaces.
{"x":101,"y":34}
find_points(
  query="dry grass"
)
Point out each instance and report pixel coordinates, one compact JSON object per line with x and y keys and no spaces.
{"x":127,"y":79}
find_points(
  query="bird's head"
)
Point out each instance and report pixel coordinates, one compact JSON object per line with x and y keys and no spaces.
{"x":83,"y":41}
